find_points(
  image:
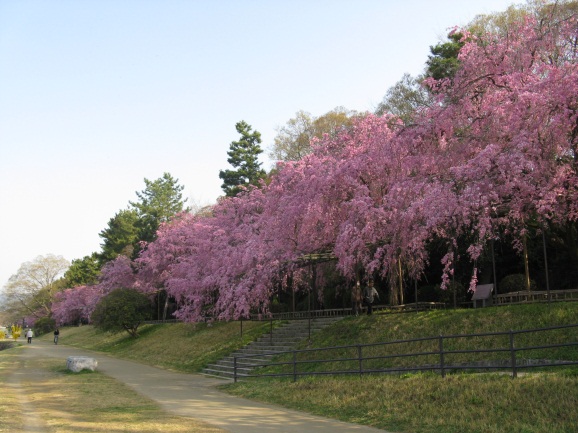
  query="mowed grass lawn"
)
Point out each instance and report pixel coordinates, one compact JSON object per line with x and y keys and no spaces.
{"x":536,"y":402}
{"x":48,"y":398}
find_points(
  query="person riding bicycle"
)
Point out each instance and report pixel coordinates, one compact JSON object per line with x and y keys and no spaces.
{"x":56,"y":334}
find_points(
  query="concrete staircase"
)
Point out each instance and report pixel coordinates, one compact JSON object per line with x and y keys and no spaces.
{"x":282,"y":339}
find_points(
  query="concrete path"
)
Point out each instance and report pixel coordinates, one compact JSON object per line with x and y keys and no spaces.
{"x":196,"y":396}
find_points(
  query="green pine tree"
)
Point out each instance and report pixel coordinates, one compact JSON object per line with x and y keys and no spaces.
{"x":243,"y":156}
{"x":120,"y":236}
{"x":158,"y":203}
{"x":443,"y":61}
{"x":83,"y":271}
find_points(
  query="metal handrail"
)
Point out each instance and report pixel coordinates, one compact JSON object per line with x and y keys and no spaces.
{"x":442,"y":366}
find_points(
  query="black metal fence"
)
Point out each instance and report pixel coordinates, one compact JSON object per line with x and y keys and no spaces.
{"x":336,"y":312}
{"x":523,"y":297}
{"x":325,"y":313}
{"x":510,"y":351}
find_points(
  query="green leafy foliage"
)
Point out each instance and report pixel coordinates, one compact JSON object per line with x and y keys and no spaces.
{"x":44,"y":326}
{"x":122,"y":309}
{"x":293,"y":140}
{"x":515,"y":283}
{"x":83,"y":271}
{"x":157,"y":203}
{"x":455,"y":291}
{"x":405,"y":99}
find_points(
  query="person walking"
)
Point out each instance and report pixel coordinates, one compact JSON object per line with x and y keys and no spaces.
{"x":29,"y":336}
{"x":369,"y":296}
{"x":56,"y":334}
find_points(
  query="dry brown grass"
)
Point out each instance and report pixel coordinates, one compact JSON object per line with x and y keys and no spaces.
{"x":77,"y":403}
{"x":11,"y":419}
{"x":484,"y":403}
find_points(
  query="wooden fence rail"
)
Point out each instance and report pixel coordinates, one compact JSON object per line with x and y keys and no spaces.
{"x":524,"y":297}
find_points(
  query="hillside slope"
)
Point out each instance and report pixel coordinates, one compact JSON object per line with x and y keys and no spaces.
{"x":412,"y":403}
{"x":189,"y":347}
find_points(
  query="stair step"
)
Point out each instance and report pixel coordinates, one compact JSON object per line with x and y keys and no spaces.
{"x":276,"y":343}
{"x":219,"y":373}
{"x":260,"y":351}
{"x":223,"y":369}
{"x":279,"y":347}
{"x":243,"y":360}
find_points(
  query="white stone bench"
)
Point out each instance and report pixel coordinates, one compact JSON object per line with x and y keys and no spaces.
{"x":79,"y":363}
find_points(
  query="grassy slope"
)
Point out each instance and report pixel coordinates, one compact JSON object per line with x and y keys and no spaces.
{"x":487,"y":403}
{"x":388,"y":327}
{"x":393,"y":327}
{"x":181,"y":347}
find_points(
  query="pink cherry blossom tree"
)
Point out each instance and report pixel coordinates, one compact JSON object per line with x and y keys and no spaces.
{"x":78,"y":303}
{"x":496,"y":150}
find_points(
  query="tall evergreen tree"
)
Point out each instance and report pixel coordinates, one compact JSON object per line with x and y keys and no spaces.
{"x":158,"y":202}
{"x":83,"y":271}
{"x":243,"y":156}
{"x":443,"y":61}
{"x":120,"y":237}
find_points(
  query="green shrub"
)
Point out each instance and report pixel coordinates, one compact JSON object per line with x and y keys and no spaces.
{"x":44,"y":326}
{"x":447,"y":295}
{"x":515,"y":283}
{"x":122,"y":310}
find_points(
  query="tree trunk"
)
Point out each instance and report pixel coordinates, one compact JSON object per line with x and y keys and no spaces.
{"x":166,"y":307}
{"x":400,"y":281}
{"x":526,"y":264}
{"x":396,"y":285}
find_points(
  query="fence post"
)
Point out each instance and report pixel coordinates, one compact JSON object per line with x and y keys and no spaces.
{"x":271,"y":331}
{"x":294,"y":366}
{"x":241,"y":327}
{"x":360,"y":357}
{"x":513,"y":354}
{"x":442,"y":363}
{"x":235,"y":369}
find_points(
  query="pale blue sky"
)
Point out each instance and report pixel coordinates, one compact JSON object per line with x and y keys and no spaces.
{"x":96,"y":95}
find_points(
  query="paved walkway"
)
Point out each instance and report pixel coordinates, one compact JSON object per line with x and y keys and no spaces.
{"x":196,"y":396}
